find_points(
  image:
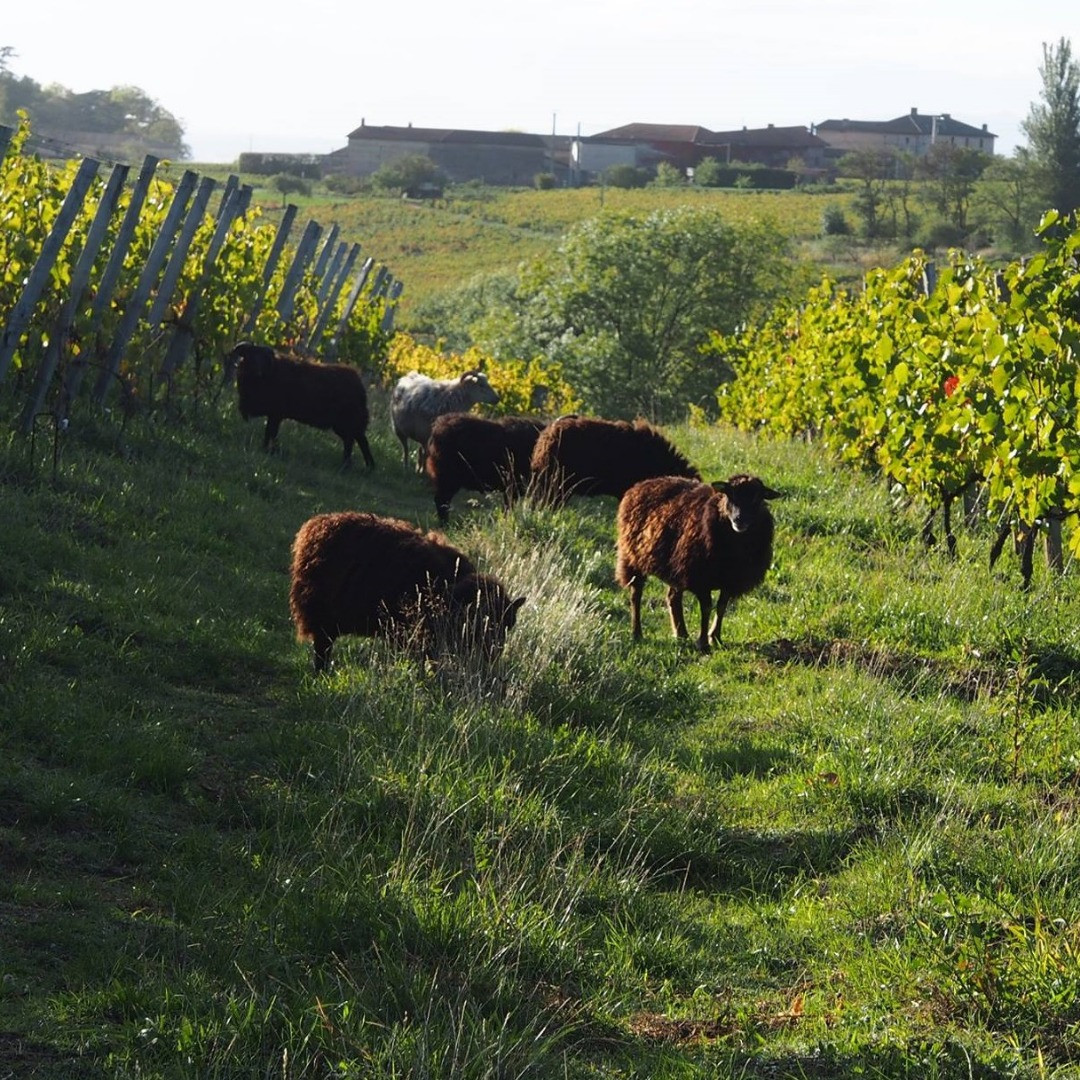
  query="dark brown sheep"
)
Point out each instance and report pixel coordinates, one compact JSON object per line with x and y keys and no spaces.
{"x":578,"y":455}
{"x":695,"y":537}
{"x":357,"y":573}
{"x":321,"y":395}
{"x":472,"y":452}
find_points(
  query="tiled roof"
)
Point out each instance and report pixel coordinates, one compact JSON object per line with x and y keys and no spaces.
{"x":682,"y":133}
{"x":446,"y":135}
{"x":912,"y":123}
{"x":767,"y":136}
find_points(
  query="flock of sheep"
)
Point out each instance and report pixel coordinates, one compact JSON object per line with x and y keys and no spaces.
{"x":361,"y":573}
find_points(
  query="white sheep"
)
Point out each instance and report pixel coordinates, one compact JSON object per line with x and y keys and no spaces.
{"x":418,"y":399}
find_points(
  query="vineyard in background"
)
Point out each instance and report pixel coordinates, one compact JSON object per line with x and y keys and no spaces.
{"x":944,"y":379}
{"x":142,"y":289}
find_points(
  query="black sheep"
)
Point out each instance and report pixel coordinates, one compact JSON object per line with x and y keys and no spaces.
{"x":472,"y":452}
{"x":696,"y":537}
{"x":578,"y":455}
{"x":320,"y":395}
{"x":358,"y":573}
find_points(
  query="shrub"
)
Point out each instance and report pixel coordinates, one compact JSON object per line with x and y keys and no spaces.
{"x":833,"y":221}
{"x":545,"y":181}
{"x":626,"y":176}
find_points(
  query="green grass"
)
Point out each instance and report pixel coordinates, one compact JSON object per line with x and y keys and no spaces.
{"x":435,"y":246}
{"x":845,"y":843}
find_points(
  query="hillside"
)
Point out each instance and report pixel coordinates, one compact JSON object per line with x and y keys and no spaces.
{"x":843,"y":844}
{"x":432,"y":246}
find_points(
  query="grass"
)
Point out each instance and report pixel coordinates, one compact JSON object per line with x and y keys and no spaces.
{"x":436,"y":246}
{"x":845,"y":843}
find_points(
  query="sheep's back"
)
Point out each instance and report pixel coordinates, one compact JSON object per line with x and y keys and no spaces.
{"x":477,"y":453}
{"x":352,"y":570}
{"x":606,"y":457}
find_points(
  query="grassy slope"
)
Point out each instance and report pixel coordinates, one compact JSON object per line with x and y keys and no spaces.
{"x":845,"y":841}
{"x":436,"y":246}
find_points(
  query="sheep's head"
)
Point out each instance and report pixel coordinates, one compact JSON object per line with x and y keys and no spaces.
{"x":743,"y":500}
{"x":480,"y":390}
{"x":483,"y":613}
{"x":252,"y":361}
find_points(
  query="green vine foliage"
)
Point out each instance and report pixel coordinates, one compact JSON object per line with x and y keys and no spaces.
{"x":227,"y":291}
{"x":976,"y":378}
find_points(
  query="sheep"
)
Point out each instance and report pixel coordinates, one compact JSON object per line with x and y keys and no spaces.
{"x":696,"y":537}
{"x":321,"y":395}
{"x":577,"y":455}
{"x":417,"y":400}
{"x":359,"y":573}
{"x":472,"y":452}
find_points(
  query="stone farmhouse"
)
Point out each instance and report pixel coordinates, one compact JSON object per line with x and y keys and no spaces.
{"x":914,"y":133}
{"x":517,"y":158}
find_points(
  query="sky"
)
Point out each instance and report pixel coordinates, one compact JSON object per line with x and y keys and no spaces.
{"x":299,"y":76}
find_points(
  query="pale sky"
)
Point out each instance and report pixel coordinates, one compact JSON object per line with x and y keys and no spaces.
{"x":300,"y":76}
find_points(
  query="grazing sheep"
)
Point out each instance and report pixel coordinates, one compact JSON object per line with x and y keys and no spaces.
{"x":577,"y":455}
{"x":696,"y":537}
{"x":357,"y":573}
{"x":418,"y":399}
{"x":471,"y":452}
{"x":321,"y":395}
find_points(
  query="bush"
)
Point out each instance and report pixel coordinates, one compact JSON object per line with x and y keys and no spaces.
{"x":833,"y":221}
{"x":667,"y":175}
{"x":941,"y":235}
{"x":288,"y":184}
{"x":545,"y":181}
{"x":626,"y":176}
{"x":344,"y":184}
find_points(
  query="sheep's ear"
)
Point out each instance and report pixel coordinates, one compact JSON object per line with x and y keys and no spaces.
{"x":511,"y":612}
{"x":721,"y":486}
{"x":770,"y":493}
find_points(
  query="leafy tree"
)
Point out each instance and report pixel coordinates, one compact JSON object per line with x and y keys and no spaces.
{"x":288,"y":184}
{"x":626,"y":176}
{"x":121,"y":121}
{"x":626,"y":303}
{"x":1006,"y":201}
{"x":667,"y":175}
{"x":950,"y":174}
{"x":872,"y":169}
{"x":1053,"y":129}
{"x":707,"y":172}
{"x":408,"y":171}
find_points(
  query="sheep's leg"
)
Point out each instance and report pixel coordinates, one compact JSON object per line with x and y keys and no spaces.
{"x":323,"y":645}
{"x":347,"y":443}
{"x":637,"y":586}
{"x":404,"y":440}
{"x":721,"y":607}
{"x":365,"y":449}
{"x":675,"y":610}
{"x":273,"y":423}
{"x":946,"y":511}
{"x":704,"y":599}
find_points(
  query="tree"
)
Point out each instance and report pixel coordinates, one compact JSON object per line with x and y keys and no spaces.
{"x":951,"y":173}
{"x":872,"y":168}
{"x":1053,"y":129}
{"x":667,"y":175}
{"x":1006,"y":202}
{"x":408,"y":171}
{"x":627,"y":301}
{"x":707,"y":173}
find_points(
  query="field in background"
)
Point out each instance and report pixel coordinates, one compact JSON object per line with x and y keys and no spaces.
{"x":436,"y":245}
{"x":844,"y":844}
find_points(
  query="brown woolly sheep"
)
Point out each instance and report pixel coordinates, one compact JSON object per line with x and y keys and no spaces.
{"x":478,"y":454}
{"x":696,"y":537}
{"x":577,"y":455}
{"x":417,"y":400}
{"x":320,"y":395}
{"x":358,"y":573}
